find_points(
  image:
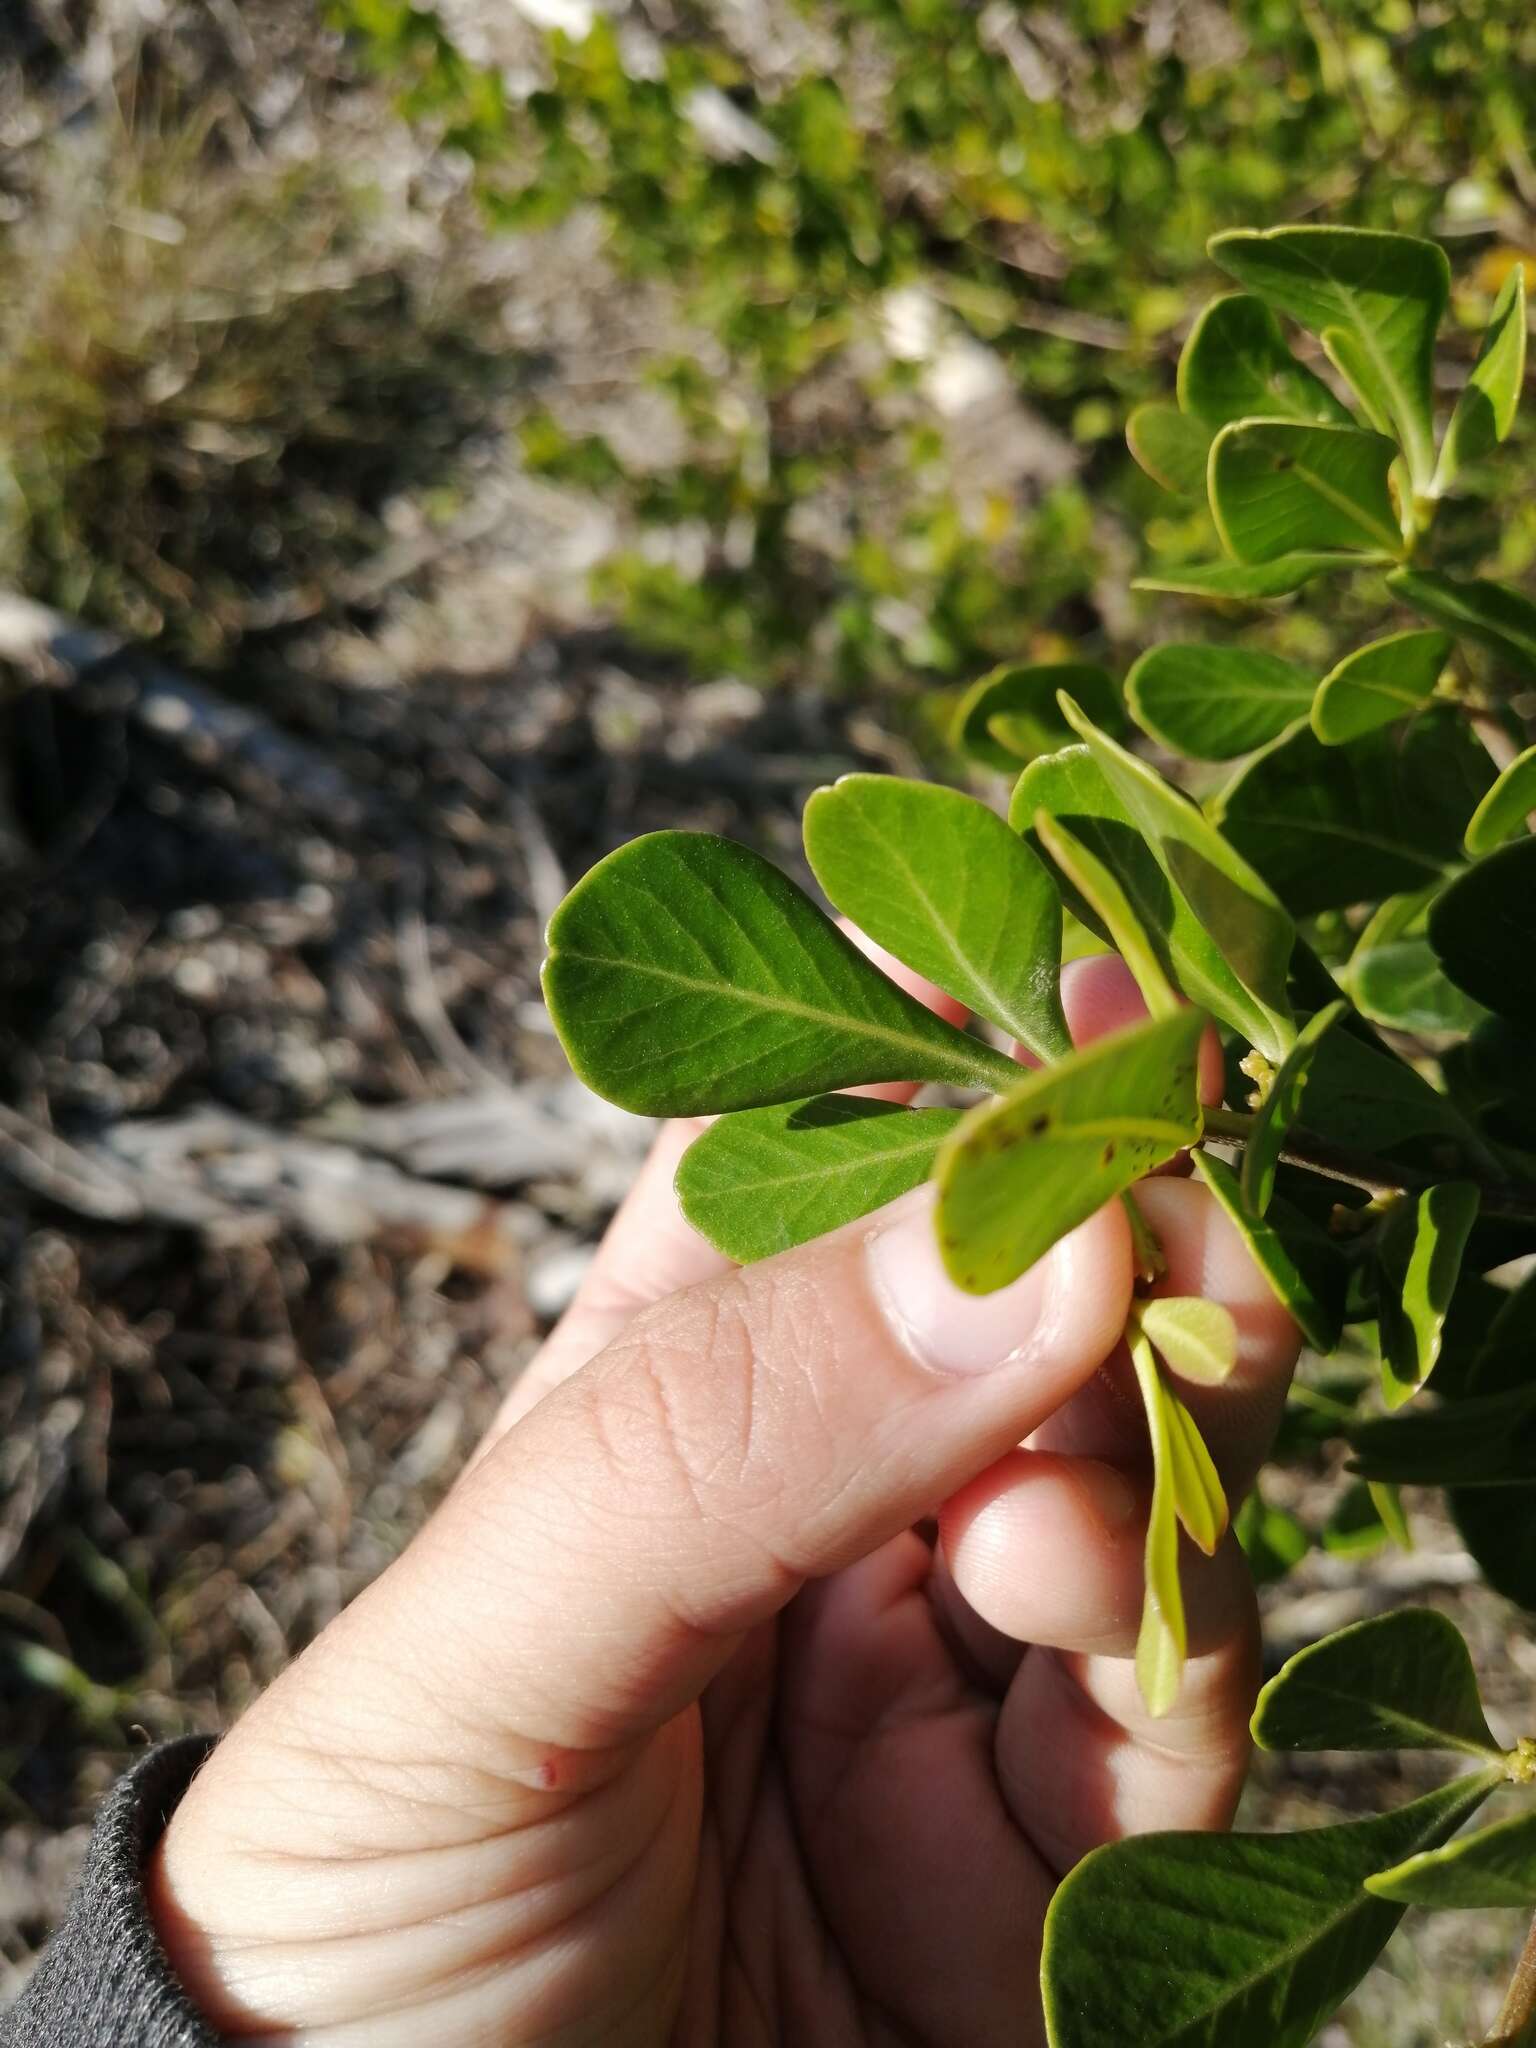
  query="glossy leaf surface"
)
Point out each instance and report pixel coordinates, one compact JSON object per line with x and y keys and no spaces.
{"x":1374,"y":300}
{"x":1012,"y":714}
{"x":1235,"y":365}
{"x":1280,"y":1109}
{"x":1507,"y":807}
{"x":1022,"y":1171}
{"x":761,"y":1180}
{"x":1249,"y":931}
{"x":1071,"y":788}
{"x":1213,"y":703}
{"x":1483,"y":930}
{"x":1494,"y":1867}
{"x":1331,"y":826}
{"x":938,"y":880}
{"x":1401,"y":1680}
{"x":686,"y":974}
{"x":1099,"y":887}
{"x":1502,"y":619}
{"x":1418,"y":1263}
{"x":1248,"y":582}
{"x":1486,"y":409}
{"x":1171,"y":446}
{"x":1278,"y":488}
{"x":1403,"y":986}
{"x":1305,"y":1273}
{"x":1229,"y":1941}
{"x":1379,"y":684}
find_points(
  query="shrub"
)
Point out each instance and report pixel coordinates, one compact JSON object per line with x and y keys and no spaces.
{"x":1355,"y":907}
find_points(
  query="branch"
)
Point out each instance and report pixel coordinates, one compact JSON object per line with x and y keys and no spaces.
{"x":1515,"y":2026}
{"x":1510,"y":1200}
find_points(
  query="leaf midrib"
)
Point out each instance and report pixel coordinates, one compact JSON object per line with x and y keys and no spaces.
{"x":979,"y":1069}
{"x":1348,"y":506}
{"x":1298,"y":1949}
{"x":1390,"y":1717}
{"x":855,"y":1163}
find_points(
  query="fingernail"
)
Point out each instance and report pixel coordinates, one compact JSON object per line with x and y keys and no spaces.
{"x":941,"y":1325}
{"x":1113,"y":1497}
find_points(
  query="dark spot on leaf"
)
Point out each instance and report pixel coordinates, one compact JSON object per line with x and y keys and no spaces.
{"x":1040,"y":1123}
{"x":1108,"y":1153}
{"x":1283,"y":462}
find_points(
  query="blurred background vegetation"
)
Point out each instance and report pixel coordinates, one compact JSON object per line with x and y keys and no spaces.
{"x":525,"y":424}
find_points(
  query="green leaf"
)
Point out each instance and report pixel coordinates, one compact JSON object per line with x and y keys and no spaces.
{"x":1198,"y":1497}
{"x":1236,"y":366}
{"x":1248,"y":929}
{"x":1401,"y":1680}
{"x":1071,"y":788}
{"x":761,"y":1180}
{"x":1171,"y":447}
{"x":1379,"y":684}
{"x":1486,"y":409}
{"x":1214,"y":702}
{"x":1278,"y":487}
{"x":1021,"y":1172}
{"x":1280,"y":1109}
{"x":1229,"y":1941}
{"x":1249,"y":582}
{"x":1418,"y":1263}
{"x":1483,"y":930}
{"x":940,"y":881}
{"x":1388,"y":1502}
{"x":1501,"y":618}
{"x":1099,"y":887}
{"x":1273,"y":1540}
{"x":1403,"y":987}
{"x":1162,"y":1642}
{"x":1367,"y":1099}
{"x":1507,"y":807}
{"x":1487,"y":1441}
{"x":1332,"y":826}
{"x":1012,"y":714}
{"x":686,"y":974}
{"x":1195,"y":1338}
{"x":1307,"y":1275}
{"x":1357,"y":1527}
{"x":1480,"y":1872}
{"x":1374,"y":300}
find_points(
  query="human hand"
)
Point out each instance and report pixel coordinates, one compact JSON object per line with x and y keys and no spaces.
{"x":753,"y":1686}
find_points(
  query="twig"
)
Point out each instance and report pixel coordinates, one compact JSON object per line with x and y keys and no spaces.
{"x":1506,"y":1199}
{"x":1515,"y":2026}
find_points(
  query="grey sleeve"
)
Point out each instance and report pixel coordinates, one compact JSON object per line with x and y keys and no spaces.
{"x":103,"y":1981}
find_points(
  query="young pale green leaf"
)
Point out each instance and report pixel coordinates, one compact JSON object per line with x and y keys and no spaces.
{"x":1332,"y":826}
{"x":1374,"y":300}
{"x":1487,"y":1441}
{"x":940,"y":881}
{"x":1501,"y":618}
{"x":686,"y":974}
{"x":1401,"y":1680}
{"x":1306,"y":1274}
{"x":1418,"y":1262}
{"x":1021,"y":1172}
{"x":1236,"y":366}
{"x":1379,"y":684}
{"x":1100,"y":888}
{"x":1507,"y":807}
{"x":761,"y":1180}
{"x":1494,"y":1867}
{"x":1250,"y":932}
{"x":1195,"y":1338}
{"x":1071,"y":788}
{"x":1198,"y":1496}
{"x":1277,"y":487}
{"x":1162,"y":1641}
{"x":1388,"y":1503}
{"x":1252,"y":582}
{"x":1011,"y":714}
{"x":1483,"y":930}
{"x":1486,"y":409}
{"x":1171,"y":447}
{"x":1280,"y":1109}
{"x":1229,"y":1941}
{"x":1212,"y":703}
{"x":1403,"y":986}
{"x":1355,"y":1526}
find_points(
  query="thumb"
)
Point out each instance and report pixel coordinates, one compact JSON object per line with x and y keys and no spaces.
{"x":591,"y":1574}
